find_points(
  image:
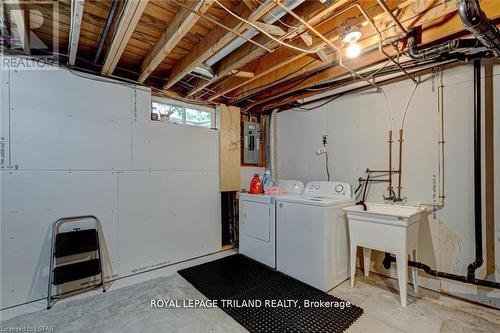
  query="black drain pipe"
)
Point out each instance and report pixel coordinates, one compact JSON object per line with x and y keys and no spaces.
{"x":478,"y":230}
{"x":476,"y":22}
{"x":471,"y":269}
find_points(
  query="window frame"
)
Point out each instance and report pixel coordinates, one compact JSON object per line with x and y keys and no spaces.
{"x":184,"y":106}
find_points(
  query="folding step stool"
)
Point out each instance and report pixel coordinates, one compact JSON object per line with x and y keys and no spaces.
{"x":71,"y":243}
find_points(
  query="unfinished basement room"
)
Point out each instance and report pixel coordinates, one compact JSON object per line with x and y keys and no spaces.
{"x":262,"y":166}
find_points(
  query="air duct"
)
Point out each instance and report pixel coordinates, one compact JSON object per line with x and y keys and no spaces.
{"x":475,"y":21}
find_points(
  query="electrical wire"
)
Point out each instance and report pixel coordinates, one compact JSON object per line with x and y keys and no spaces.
{"x":204,"y":16}
{"x":270,"y":84}
{"x":326,"y":162}
{"x":265,"y":32}
{"x":322,"y":104}
{"x":408,"y":104}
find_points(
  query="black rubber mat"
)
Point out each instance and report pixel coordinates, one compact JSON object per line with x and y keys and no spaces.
{"x":235,"y":279}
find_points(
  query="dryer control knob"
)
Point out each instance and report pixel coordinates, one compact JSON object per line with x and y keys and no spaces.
{"x":339,"y":188}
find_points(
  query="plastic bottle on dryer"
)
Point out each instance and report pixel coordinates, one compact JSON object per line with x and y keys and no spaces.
{"x":256,"y":185}
{"x":267,"y":180}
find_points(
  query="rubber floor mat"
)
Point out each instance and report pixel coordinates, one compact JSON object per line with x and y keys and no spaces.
{"x":264,"y":300}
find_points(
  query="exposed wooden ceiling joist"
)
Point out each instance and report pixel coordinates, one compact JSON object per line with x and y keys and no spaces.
{"x":312,"y":11}
{"x":183,"y":21}
{"x":434,"y":30}
{"x":285,"y":58}
{"x":411,"y":16}
{"x":76,"y":23}
{"x":18,"y":15}
{"x":130,"y":17}
{"x":216,"y":40}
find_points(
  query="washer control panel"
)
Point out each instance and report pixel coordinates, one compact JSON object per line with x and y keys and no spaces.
{"x":328,"y":189}
{"x":291,"y":186}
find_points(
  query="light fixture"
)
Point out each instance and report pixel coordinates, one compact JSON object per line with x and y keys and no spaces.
{"x":353,"y":50}
{"x":351,"y":37}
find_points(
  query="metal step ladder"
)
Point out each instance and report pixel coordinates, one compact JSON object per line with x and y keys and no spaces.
{"x":70,"y":243}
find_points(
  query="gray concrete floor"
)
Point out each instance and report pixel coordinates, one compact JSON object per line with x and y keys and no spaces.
{"x":128,"y":310}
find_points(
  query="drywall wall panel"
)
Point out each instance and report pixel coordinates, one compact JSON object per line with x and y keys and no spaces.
{"x":163,"y":146}
{"x":31,"y":202}
{"x":166,"y":217}
{"x":69,"y":122}
{"x":76,"y":136}
{"x":357,"y":138}
{"x":4,"y":120}
{"x":299,"y":136}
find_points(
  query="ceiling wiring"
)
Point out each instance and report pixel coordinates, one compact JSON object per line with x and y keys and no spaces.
{"x":312,"y":50}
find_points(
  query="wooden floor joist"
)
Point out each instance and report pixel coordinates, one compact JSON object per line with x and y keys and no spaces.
{"x":176,"y":30}
{"x":408,"y":15}
{"x":215,"y":41}
{"x":432,"y":32}
{"x":74,"y":35}
{"x":248,"y":52}
{"x":130,"y":17}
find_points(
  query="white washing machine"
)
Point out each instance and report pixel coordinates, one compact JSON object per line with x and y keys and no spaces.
{"x":257,"y":231}
{"x":312,"y":243}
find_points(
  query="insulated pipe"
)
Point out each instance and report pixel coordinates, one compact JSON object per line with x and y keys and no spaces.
{"x":475,"y":21}
{"x":478,"y":230}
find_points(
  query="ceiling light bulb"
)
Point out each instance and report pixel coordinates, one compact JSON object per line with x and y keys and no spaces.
{"x":353,"y":50}
{"x":352,"y":35}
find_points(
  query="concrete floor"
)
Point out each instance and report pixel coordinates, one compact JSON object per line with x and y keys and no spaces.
{"x":128,"y":310}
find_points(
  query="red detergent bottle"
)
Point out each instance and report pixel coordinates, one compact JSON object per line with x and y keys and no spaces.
{"x":256,"y":185}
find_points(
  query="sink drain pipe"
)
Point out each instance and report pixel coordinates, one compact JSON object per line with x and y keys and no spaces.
{"x":478,"y":232}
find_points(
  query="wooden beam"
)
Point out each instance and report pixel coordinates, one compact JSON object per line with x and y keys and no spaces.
{"x":183,"y":21}
{"x":243,"y":74}
{"x":412,"y":14}
{"x":271,"y":29}
{"x":216,"y":39}
{"x":285,"y":58}
{"x":74,"y":32}
{"x":130,"y":17}
{"x":18,"y":14}
{"x":433,"y":30}
{"x":314,"y":12}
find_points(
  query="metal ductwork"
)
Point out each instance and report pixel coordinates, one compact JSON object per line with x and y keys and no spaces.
{"x":476,"y":21}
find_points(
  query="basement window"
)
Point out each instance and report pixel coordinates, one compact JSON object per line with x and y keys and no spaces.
{"x":198,"y":118}
{"x":182,"y":114}
{"x":167,"y":113}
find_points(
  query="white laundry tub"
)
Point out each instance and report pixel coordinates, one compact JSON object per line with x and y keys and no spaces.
{"x":387,"y":228}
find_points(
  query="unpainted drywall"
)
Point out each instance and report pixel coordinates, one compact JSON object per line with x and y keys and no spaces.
{"x":73,"y":145}
{"x":357,"y":128}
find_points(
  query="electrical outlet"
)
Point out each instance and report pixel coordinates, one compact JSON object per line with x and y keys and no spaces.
{"x":321,"y":151}
{"x":325,"y":139}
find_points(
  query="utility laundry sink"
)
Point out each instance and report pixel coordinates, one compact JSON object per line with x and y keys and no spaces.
{"x":385,"y":214}
{"x":387,"y":228}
